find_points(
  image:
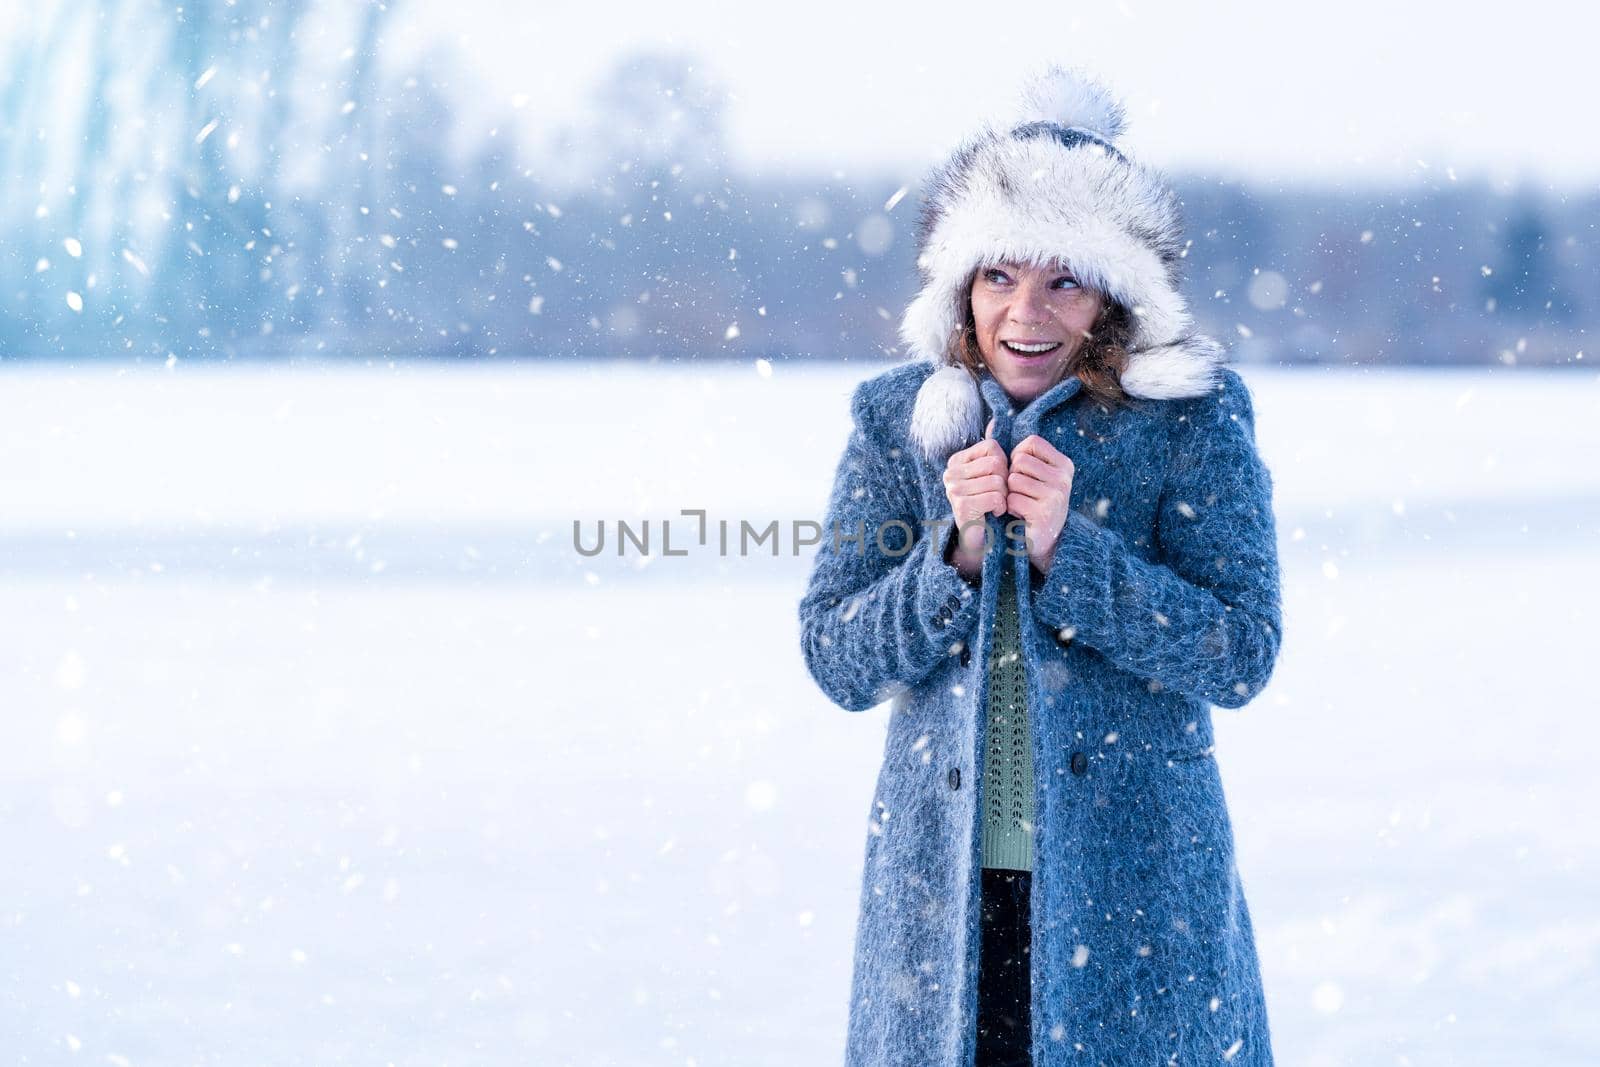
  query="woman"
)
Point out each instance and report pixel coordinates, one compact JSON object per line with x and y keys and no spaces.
{"x":1049,"y":874}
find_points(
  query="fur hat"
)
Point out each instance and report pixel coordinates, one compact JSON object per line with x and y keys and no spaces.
{"x":1048,"y":184}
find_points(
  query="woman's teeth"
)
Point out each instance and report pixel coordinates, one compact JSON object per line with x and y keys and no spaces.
{"x":1032,"y":350}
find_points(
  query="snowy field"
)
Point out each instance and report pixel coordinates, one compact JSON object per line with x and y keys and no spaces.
{"x":320,"y":744}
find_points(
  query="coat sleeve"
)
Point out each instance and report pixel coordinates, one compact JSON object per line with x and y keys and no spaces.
{"x":1205,"y":619}
{"x":879,"y":613}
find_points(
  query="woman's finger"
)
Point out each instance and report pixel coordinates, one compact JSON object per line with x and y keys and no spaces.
{"x":1028,"y":486}
{"x":1037,"y":467}
{"x":1037,"y":445}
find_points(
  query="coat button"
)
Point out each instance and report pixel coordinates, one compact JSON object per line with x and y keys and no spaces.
{"x":954,"y":602}
{"x":966,"y":655}
{"x":1080,"y":763}
{"x":955,"y":777}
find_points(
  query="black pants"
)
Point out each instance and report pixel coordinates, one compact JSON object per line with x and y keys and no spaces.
{"x":1004,"y":992}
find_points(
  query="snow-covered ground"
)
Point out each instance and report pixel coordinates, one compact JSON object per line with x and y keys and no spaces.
{"x":321,"y":744}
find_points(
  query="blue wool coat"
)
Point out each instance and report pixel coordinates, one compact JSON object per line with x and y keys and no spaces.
{"x":1162,"y":600}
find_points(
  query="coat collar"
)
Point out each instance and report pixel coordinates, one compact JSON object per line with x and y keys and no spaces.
{"x":1012,"y":425}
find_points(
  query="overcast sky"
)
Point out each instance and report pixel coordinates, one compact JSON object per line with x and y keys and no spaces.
{"x":1343,"y":93}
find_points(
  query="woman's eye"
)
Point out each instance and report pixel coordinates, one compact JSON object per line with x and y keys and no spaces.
{"x":1070,"y":283}
{"x":995,"y":275}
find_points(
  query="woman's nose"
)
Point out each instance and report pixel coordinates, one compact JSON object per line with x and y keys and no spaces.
{"x":1029,"y":309}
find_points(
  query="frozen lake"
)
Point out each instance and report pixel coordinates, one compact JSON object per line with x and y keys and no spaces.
{"x":321,"y":744}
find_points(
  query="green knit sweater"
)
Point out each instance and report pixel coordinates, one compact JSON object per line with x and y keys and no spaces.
{"x":1008,"y":751}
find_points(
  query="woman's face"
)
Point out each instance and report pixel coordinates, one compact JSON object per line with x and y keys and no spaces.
{"x":1016,"y":304}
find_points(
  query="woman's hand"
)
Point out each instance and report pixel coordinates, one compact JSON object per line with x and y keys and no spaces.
{"x":975,"y":483}
{"x":1039,"y":491}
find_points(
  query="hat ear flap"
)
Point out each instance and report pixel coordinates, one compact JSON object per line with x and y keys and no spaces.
{"x":929,"y":323}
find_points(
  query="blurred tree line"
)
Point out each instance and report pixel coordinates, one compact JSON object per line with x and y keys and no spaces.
{"x":251,"y":180}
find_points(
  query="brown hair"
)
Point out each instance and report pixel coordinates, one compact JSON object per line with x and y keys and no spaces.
{"x":1098,"y":360}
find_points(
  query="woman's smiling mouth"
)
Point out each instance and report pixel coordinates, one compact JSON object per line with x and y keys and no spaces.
{"x":1038,"y":348}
